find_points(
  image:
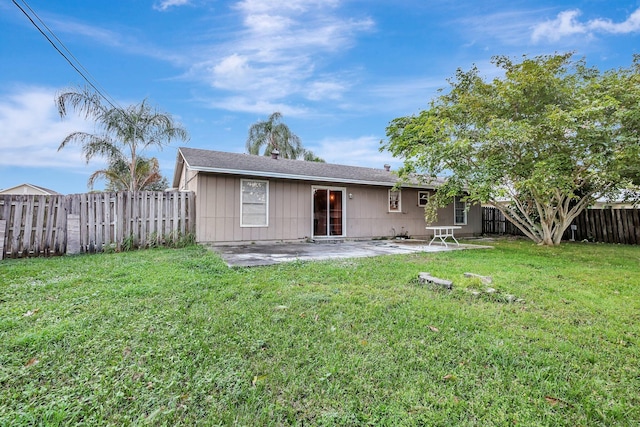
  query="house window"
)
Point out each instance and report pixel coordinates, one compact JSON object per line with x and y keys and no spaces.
{"x":459,"y":211}
{"x":423,"y":198}
{"x":395,"y":201}
{"x":254,"y":203}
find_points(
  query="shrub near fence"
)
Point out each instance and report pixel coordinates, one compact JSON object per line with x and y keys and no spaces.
{"x":594,"y":225}
{"x":55,"y":225}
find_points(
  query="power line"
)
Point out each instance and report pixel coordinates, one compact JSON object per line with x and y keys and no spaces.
{"x":77,"y":66}
{"x":96,"y":85}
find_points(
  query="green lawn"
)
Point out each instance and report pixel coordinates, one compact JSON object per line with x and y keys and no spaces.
{"x":174,"y":337}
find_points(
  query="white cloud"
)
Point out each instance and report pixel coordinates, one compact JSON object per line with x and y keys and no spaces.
{"x":567,"y":24}
{"x":166,"y":4}
{"x":279,"y":51}
{"x":511,"y":28}
{"x":101,"y":35}
{"x":32,"y":130}
{"x":564,"y":25}
{"x":259,"y":106}
{"x":320,"y":90}
{"x":406,"y":96}
{"x":125,"y":40}
{"x":265,"y":6}
{"x":361,"y":151}
{"x":268,"y":24}
{"x":236,"y":73}
{"x":631,"y":25}
{"x":231,"y":71}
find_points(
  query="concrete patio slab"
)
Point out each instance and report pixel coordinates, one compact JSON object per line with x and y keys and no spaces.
{"x":249,"y":255}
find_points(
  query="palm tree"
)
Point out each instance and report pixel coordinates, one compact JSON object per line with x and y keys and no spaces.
{"x":310,"y":156}
{"x":124,"y":133}
{"x":272,"y":134}
{"x":118,"y":176}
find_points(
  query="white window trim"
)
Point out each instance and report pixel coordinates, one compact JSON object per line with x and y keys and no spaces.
{"x":266,"y":224}
{"x":420,"y":193}
{"x":399,"y":210}
{"x":344,"y":210}
{"x":455,"y":208}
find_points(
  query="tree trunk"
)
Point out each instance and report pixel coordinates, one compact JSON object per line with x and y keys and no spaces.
{"x":548,"y":229}
{"x":554,"y":220}
{"x":522,"y":222}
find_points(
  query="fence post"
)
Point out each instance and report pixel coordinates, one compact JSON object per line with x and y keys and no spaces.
{"x":73,"y":234}
{"x":3,"y":229}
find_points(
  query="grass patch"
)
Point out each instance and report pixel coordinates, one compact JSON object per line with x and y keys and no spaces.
{"x":174,"y":337}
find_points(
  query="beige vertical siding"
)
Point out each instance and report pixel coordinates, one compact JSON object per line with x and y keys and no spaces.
{"x":290,"y":216}
{"x":368,"y":215}
{"x":188,"y":180}
{"x":218,"y":207}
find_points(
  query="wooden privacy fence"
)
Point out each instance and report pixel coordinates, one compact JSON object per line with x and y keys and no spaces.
{"x":594,"y":225}
{"x":494,"y":222}
{"x":608,"y":226}
{"x":54,"y":225}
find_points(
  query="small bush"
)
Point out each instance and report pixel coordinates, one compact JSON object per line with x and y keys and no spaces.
{"x":174,"y":240}
{"x":128,"y":243}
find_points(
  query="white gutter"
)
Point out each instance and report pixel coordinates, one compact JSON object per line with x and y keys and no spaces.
{"x":299,"y":177}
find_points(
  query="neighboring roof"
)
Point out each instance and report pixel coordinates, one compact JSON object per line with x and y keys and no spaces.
{"x":20,"y":189}
{"x":262,"y":166}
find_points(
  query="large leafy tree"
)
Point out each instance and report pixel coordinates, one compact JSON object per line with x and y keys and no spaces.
{"x":273,"y":134}
{"x":541,"y":143}
{"x":122,"y":135}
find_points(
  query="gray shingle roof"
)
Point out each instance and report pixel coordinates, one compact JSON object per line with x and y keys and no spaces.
{"x":263,"y":166}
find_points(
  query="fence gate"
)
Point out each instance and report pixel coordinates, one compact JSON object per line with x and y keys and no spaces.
{"x":494,"y":222}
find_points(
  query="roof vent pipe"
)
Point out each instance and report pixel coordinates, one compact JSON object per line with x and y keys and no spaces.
{"x":387,"y":167}
{"x":275,"y":154}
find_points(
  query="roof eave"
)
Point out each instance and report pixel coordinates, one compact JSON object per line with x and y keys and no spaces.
{"x":177,"y":171}
{"x":279,"y":175}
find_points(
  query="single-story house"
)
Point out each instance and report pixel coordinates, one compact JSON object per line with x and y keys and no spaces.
{"x":249,"y":198}
{"x":28,"y":189}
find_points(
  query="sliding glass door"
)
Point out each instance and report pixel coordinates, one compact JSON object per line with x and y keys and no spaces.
{"x":328,"y":211}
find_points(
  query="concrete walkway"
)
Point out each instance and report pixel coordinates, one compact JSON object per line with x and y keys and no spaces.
{"x":249,"y":255}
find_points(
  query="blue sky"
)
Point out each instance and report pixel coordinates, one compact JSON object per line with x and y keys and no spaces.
{"x":338,"y":70}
